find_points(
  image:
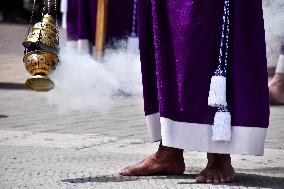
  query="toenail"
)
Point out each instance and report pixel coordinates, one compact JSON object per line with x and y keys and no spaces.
{"x":123,"y":172}
{"x":200,"y":179}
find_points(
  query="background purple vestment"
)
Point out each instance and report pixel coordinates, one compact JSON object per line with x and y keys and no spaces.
{"x":81,"y":19}
{"x":179,"y":44}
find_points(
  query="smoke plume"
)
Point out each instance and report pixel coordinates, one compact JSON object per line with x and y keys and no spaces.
{"x":82,"y":83}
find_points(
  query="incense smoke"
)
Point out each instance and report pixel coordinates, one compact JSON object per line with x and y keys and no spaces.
{"x":274,"y":27}
{"x":82,"y":83}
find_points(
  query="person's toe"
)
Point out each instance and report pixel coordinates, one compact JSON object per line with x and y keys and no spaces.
{"x":217,"y":179}
{"x":223,"y":179}
{"x":200,"y":179}
{"x":230,"y":179}
{"x":125,"y":172}
{"x":209,"y":179}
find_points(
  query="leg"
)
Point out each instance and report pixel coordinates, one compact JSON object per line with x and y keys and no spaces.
{"x":218,"y":169}
{"x":166,"y":161}
{"x":276,"y":85}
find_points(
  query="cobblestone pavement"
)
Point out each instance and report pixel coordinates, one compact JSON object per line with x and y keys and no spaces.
{"x":41,"y":149}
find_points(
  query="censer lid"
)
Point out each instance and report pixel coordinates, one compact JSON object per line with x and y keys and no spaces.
{"x":47,"y":18}
{"x":44,"y":36}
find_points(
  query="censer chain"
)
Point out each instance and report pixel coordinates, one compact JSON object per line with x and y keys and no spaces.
{"x":43,"y":9}
{"x":56,"y":20}
{"x":30,"y":24}
{"x":33,"y":9}
{"x":134,"y":14}
{"x":48,"y":6}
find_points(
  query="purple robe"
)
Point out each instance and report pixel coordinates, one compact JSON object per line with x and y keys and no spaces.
{"x":179,"y":45}
{"x":81,"y":19}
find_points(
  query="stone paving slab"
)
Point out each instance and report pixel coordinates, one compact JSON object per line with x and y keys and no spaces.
{"x":44,"y":164}
{"x":24,"y":110}
{"x":54,"y":140}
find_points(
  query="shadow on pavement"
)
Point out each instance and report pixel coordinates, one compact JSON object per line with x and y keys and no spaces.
{"x":14,"y":86}
{"x":117,"y":178}
{"x":3,"y":116}
{"x":251,"y":180}
{"x":242,"y":179}
{"x":102,"y":178}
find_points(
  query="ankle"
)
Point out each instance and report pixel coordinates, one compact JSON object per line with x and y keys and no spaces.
{"x":215,"y":158}
{"x":166,"y":153}
{"x":225,"y":159}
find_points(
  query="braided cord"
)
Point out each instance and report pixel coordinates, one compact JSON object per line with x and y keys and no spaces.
{"x":224,"y":45}
{"x":223,"y":55}
{"x":134,"y":14}
{"x":227,"y":38}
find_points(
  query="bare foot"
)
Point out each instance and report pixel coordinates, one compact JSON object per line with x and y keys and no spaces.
{"x":166,"y":161}
{"x":276,"y":89}
{"x":218,"y":170}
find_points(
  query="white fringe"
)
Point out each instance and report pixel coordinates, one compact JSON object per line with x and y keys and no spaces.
{"x":217,"y":93}
{"x":222,"y":127}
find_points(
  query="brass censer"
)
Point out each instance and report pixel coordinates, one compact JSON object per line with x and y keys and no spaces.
{"x":41,"y":53}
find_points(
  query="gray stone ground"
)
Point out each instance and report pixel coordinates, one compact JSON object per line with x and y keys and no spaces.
{"x":41,"y":149}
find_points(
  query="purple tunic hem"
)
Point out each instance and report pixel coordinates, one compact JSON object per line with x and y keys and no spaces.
{"x":179,"y":43}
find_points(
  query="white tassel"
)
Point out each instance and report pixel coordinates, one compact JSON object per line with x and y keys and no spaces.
{"x":217,"y":93}
{"x":222,"y":127}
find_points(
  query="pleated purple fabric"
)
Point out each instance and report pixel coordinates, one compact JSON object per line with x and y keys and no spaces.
{"x":179,"y":45}
{"x":81,"y":19}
